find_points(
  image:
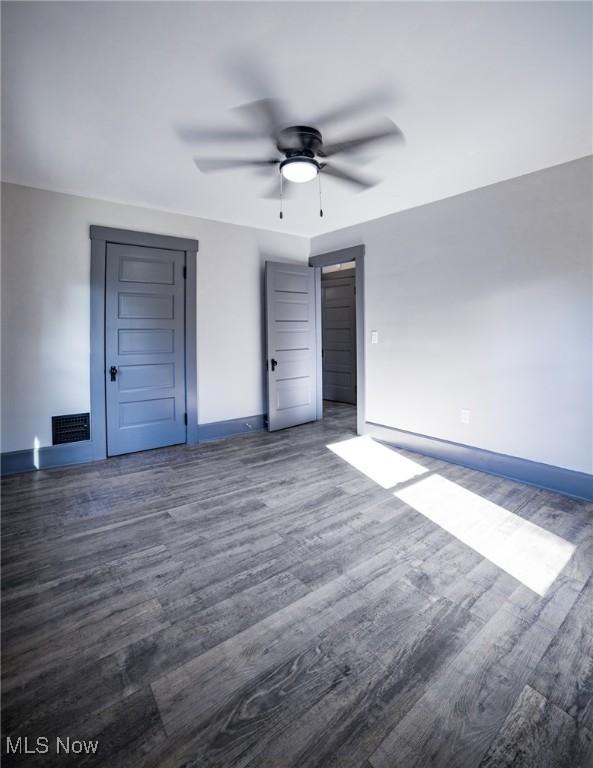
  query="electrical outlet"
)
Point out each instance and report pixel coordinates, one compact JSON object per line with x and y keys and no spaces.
{"x":374,"y":337}
{"x":465,"y":416}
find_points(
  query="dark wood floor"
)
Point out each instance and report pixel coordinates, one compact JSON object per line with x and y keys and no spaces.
{"x":258,"y":602}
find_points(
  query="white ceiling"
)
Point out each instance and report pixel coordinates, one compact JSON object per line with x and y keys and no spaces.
{"x":94,"y":95}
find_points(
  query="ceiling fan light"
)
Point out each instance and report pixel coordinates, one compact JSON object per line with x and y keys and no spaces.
{"x":299,"y":169}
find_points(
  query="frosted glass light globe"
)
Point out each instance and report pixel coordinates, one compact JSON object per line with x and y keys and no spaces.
{"x":299,"y":170}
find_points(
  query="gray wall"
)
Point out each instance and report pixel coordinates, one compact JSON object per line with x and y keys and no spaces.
{"x":483,"y":301}
{"x":45,"y":307}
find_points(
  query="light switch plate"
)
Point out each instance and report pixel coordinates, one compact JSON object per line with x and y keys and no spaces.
{"x":465,"y":416}
{"x":374,"y":337}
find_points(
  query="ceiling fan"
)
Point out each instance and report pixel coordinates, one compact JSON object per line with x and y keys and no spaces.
{"x":301,"y":154}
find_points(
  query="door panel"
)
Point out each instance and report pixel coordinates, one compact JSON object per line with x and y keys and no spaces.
{"x":135,"y":341}
{"x":143,"y":412}
{"x":144,"y":341}
{"x":292,"y":317}
{"x":142,"y":270}
{"x":338,"y":304}
{"x":146,"y":306}
{"x":135,"y":378}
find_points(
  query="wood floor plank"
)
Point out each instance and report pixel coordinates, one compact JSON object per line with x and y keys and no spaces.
{"x":536,"y":734}
{"x":398,"y":646}
{"x":463,"y":709}
{"x":195,"y":631}
{"x":565,"y":673}
{"x":225,"y":668}
{"x":263,"y":707}
{"x":97,"y":639}
{"x":257,"y":602}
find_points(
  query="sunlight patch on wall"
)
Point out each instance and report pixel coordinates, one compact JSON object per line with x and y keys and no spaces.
{"x":527,"y":552}
{"x":36,"y":447}
{"x":376,"y":461}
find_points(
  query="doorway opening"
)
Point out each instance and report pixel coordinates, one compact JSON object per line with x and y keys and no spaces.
{"x":338,"y":339}
{"x":342,"y":331}
{"x":294,"y":362}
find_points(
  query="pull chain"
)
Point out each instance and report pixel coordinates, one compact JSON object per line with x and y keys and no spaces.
{"x":320,"y":206}
{"x":281,"y":210}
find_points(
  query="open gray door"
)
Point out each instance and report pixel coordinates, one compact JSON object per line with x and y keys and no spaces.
{"x":293,"y":344}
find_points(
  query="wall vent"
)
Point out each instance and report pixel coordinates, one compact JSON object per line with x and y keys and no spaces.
{"x":71,"y":428}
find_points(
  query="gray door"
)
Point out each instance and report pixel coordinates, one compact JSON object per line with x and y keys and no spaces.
{"x":338,"y":302}
{"x":144,"y":348}
{"x":293,"y":344}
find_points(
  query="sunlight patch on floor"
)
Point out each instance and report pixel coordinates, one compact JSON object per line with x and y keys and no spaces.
{"x":527,"y":552}
{"x":531,"y":554}
{"x":376,"y":461}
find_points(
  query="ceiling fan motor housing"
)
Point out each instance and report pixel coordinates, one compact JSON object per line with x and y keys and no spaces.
{"x":299,"y":139}
{"x":299,"y":144}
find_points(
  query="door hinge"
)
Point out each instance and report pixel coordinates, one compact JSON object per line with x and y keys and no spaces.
{"x":185,"y":419}
{"x":184,"y":272}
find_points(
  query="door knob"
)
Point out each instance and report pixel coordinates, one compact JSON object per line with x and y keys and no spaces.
{"x":113,"y":372}
{"x":274,"y":363}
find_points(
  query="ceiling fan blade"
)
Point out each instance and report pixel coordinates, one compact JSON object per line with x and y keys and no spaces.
{"x":255,"y":77}
{"x":273,"y":190}
{"x":387,"y":131}
{"x":269,"y":116}
{"x":210,"y":164}
{"x":197,"y":134}
{"x":366,"y":101}
{"x":362,"y":182}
